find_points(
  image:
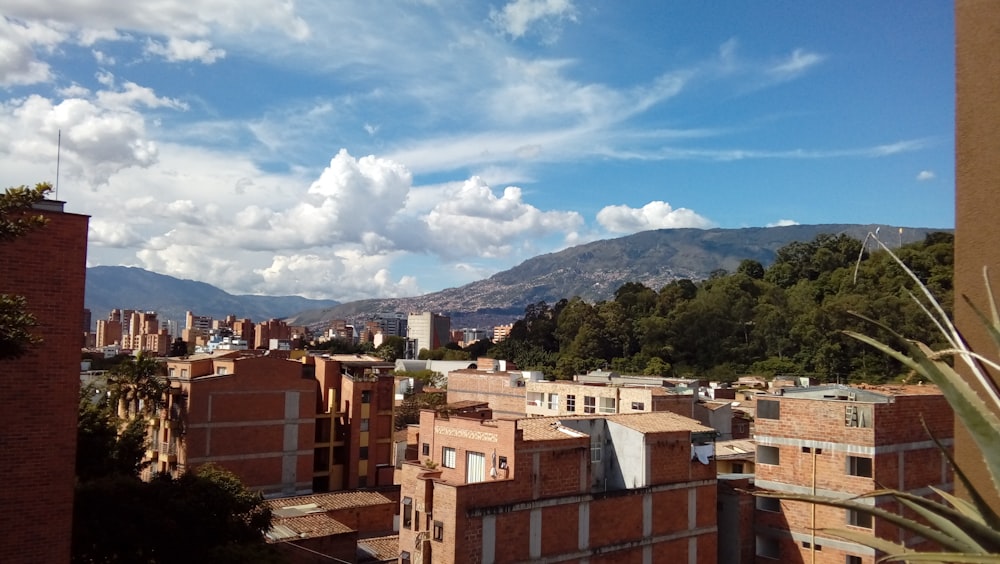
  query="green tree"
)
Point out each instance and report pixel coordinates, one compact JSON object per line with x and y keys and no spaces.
{"x":104,"y":447}
{"x":392,"y":347}
{"x":16,"y":219}
{"x":137,"y":386}
{"x":206,"y":516}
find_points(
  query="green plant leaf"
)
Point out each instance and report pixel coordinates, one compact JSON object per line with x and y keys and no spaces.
{"x":944,"y":557}
{"x":929,"y":533}
{"x":867,"y":539}
{"x":982,"y":424}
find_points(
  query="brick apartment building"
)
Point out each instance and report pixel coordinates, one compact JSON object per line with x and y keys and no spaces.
{"x":617,"y":488}
{"x":39,"y":392}
{"x":840,"y":441}
{"x":503,"y":390}
{"x":253,"y":414}
{"x":354,"y":422}
{"x":285,"y":427}
{"x":562,"y":397}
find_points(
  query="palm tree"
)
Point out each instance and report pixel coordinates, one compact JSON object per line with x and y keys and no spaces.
{"x":137,"y":387}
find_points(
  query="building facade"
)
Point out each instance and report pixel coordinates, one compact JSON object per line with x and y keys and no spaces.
{"x":621,"y":488}
{"x":354,"y":422}
{"x":252,"y":414}
{"x":428,"y":331}
{"x":842,"y":442}
{"x":39,"y":392}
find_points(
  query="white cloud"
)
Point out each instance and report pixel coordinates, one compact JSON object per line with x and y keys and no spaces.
{"x":19,"y":63}
{"x":925,"y":175}
{"x":518,"y":17}
{"x":473,"y":221}
{"x":795,"y":64}
{"x":177,"y":50}
{"x":654,"y":215}
{"x":783,"y":223}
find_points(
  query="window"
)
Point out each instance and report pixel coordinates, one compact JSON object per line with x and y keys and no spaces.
{"x":768,"y":409}
{"x":554,"y":402}
{"x":608,"y":405}
{"x":767,"y":547}
{"x":363,"y":453}
{"x":364,"y":424}
{"x":852,"y":560}
{"x":809,"y":450}
{"x":425,"y":449}
{"x":638,"y":406}
{"x":407,"y":512}
{"x":366,"y":396}
{"x":571,"y":403}
{"x":595,"y":451}
{"x":362,"y":481}
{"x":589,"y":404}
{"x":859,"y":518}
{"x":737,"y":467}
{"x":806,"y":544}
{"x":771,"y":504}
{"x":404,"y":557}
{"x":503,"y":462}
{"x":859,"y":466}
{"x":767,"y":455}
{"x":448,"y":457}
{"x":184,"y":372}
{"x":856,"y":415}
{"x":438,"y":530}
{"x":221,"y":370}
{"x":172,"y":369}
{"x":475,"y":467}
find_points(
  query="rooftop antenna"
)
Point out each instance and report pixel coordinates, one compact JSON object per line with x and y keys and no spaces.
{"x":58,"y":155}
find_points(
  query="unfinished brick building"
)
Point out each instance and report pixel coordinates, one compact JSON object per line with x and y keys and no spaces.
{"x":840,"y":441}
{"x":618,"y":488}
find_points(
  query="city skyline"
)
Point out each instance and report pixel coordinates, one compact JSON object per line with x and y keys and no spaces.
{"x":395,"y":149}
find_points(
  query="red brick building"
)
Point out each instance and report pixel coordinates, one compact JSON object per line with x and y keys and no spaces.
{"x":252,"y":414}
{"x":39,"y":392}
{"x":841,"y":442}
{"x":620,"y":488}
{"x":353,"y":446}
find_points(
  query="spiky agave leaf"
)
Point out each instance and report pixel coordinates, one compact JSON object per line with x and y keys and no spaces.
{"x":930,"y":533}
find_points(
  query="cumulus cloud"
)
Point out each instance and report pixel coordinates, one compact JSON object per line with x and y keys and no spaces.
{"x":518,"y":17}
{"x":925,"y":175}
{"x":783,"y":223}
{"x":472,"y":221}
{"x":177,"y":50}
{"x":654,"y":215}
{"x":19,"y":63}
{"x":97,"y":140}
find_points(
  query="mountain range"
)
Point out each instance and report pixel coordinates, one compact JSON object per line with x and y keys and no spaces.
{"x":592,"y":271}
{"x":122,"y":287}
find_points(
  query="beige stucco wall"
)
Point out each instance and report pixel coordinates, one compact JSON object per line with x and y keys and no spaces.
{"x":977,"y":179}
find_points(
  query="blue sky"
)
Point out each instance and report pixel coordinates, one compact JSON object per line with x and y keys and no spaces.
{"x":348,"y":150}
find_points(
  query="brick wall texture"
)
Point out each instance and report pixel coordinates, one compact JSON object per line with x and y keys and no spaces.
{"x":39,"y":392}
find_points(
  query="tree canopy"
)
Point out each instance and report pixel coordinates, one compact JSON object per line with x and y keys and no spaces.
{"x":786,"y":318}
{"x":16,"y":219}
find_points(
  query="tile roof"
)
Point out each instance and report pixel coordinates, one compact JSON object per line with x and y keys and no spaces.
{"x":659,"y":422}
{"x":548,"y":428}
{"x":379,"y":548}
{"x":331,"y":501}
{"x":305,"y":526}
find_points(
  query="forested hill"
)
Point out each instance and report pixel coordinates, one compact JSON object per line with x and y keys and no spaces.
{"x":786,"y":318}
{"x":594,"y":271}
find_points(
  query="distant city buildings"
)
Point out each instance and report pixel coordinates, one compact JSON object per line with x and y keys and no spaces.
{"x":428,"y":331}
